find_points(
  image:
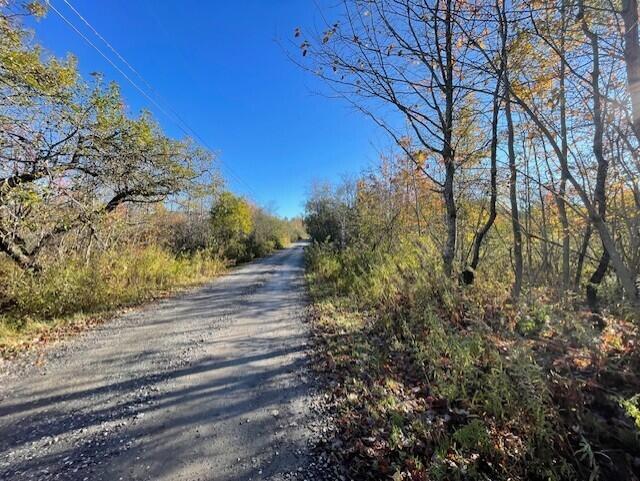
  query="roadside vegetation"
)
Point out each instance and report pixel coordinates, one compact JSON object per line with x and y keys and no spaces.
{"x":430,"y":378}
{"x":98,"y":208}
{"x":475,"y":295}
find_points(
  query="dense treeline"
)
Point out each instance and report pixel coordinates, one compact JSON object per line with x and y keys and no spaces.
{"x":98,"y":208}
{"x":486,"y":273}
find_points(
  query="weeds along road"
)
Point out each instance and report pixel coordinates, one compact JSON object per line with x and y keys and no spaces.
{"x":209,"y":385}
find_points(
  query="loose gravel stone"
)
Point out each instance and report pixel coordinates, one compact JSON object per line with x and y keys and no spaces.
{"x":210,"y":384}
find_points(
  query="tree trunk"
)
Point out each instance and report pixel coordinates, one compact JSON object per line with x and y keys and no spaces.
{"x":560,"y":196}
{"x":469,"y":274}
{"x":16,"y":254}
{"x":581,"y":255}
{"x":546,"y":265}
{"x":513,"y":197}
{"x":513,"y":173}
{"x":451,"y":219}
{"x":595,"y":280}
{"x":632,"y":58}
{"x":600,"y":194}
{"x":448,"y":154}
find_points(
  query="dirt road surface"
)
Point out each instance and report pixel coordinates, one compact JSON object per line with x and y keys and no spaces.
{"x":209,"y":385}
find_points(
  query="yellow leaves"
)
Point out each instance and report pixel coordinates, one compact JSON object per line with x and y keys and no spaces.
{"x":420,"y":158}
{"x":37,"y":9}
{"x":632,"y":408}
{"x":581,"y":362}
{"x":144,"y":132}
{"x":612,"y":340}
{"x":231,"y":216}
{"x":540,"y":86}
{"x":543,"y":84}
{"x":24,"y":64}
{"x":520,"y":90}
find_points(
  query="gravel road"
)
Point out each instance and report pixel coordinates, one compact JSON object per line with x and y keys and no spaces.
{"x":209,"y":385}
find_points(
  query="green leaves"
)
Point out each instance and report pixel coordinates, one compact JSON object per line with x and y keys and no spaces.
{"x":230,"y":220}
{"x":74,"y":146}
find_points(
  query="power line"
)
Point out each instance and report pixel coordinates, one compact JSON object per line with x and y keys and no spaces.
{"x":177,"y":118}
{"x":172,"y":114}
{"x":70,"y":24}
{"x":169,"y":112}
{"x":104,"y":40}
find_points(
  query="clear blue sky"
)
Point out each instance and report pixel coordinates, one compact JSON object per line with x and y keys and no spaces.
{"x":221,"y":65}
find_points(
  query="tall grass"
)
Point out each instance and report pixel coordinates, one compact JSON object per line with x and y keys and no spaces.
{"x":74,"y":287}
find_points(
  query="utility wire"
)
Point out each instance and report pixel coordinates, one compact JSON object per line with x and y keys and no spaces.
{"x":130,"y":67}
{"x":169,"y":112}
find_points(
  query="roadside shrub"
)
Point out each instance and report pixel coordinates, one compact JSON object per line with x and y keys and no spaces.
{"x":110,"y":279}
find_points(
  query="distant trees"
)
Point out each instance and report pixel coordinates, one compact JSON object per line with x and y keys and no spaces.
{"x":505,"y":109}
{"x":269,"y":233}
{"x":327,"y":212}
{"x":242,"y":231}
{"x":231,"y":223}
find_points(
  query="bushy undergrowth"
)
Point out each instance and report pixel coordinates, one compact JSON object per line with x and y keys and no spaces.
{"x":436,"y":381}
{"x":75,"y":286}
{"x":133,"y":255}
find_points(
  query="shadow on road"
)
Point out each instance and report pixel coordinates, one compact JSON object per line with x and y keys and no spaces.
{"x":181,"y":390}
